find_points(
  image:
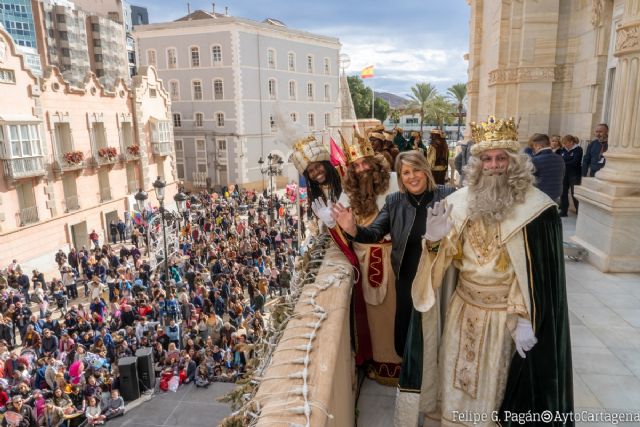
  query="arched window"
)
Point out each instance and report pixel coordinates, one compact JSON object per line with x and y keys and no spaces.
{"x":195,"y":56}
{"x":172,"y":58}
{"x":197,"y":90}
{"x":271,"y":58}
{"x":272,"y":88}
{"x":292,"y":90}
{"x":218,"y":89}
{"x":291,"y":59}
{"x":220,"y":119}
{"x":199,"y":120}
{"x":216,"y":55}
{"x":174,"y":90}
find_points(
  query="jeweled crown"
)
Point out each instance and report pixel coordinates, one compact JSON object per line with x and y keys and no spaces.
{"x":494,"y":134}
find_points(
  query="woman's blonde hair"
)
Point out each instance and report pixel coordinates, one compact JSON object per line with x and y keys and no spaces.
{"x":416,"y":160}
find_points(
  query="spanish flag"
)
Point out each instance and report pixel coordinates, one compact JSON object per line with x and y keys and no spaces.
{"x":367,"y":72}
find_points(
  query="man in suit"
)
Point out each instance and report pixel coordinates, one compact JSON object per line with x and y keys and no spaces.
{"x":572,"y":155}
{"x":549,"y":166}
{"x":593,"y":159}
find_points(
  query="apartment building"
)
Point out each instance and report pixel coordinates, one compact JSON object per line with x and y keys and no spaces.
{"x":78,"y":41}
{"x":226,"y":76}
{"x":16,"y":16}
{"x":73,"y":156}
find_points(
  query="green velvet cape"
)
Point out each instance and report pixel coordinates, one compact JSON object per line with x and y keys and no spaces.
{"x":543,"y":380}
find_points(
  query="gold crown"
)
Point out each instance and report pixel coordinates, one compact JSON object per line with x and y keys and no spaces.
{"x":308,"y":150}
{"x":359,"y":149}
{"x":494,"y":134}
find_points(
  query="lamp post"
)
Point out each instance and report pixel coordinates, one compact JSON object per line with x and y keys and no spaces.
{"x":272,"y":168}
{"x":181,"y":202}
{"x":141,"y":196}
{"x":159,"y":187}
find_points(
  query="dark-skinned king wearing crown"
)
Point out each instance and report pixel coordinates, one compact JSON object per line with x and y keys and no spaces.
{"x":324,"y":186}
{"x":505,"y":349}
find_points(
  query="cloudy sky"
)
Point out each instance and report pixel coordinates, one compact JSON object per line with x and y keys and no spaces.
{"x":407,"y":41}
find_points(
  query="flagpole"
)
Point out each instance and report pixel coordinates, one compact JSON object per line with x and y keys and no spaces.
{"x":373,"y":98}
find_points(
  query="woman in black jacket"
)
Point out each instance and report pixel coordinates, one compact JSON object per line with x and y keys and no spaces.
{"x":404,"y":217}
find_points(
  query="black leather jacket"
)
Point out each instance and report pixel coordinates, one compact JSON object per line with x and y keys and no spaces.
{"x":396,"y":218}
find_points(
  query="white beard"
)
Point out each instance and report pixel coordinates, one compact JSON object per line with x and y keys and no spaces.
{"x":491,"y":198}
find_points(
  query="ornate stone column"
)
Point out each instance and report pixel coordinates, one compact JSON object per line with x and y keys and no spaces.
{"x":608,"y":223}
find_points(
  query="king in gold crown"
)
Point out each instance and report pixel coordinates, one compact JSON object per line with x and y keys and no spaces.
{"x":494,"y":134}
{"x":360,"y":148}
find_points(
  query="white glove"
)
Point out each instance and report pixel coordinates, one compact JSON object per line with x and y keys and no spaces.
{"x":524,"y":336}
{"x":323,"y":211}
{"x":438,"y":222}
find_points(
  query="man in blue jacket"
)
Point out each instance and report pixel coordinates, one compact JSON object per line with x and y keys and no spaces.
{"x":549,"y":166}
{"x":593,"y":159}
{"x":572,"y":155}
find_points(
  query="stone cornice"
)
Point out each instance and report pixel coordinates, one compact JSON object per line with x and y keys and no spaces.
{"x":628,"y":38}
{"x":555,"y":73}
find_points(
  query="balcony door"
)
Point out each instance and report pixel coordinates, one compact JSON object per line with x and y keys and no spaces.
{"x":27,"y":210}
{"x":70,"y":189}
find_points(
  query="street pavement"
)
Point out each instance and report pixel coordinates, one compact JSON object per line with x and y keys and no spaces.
{"x":188,"y":407}
{"x":604,"y":312}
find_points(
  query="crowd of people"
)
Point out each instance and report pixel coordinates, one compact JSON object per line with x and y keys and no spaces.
{"x":61,"y":337}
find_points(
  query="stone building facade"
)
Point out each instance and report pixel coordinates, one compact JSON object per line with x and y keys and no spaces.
{"x":562,"y":67}
{"x":225,"y":75}
{"x":74,"y":156}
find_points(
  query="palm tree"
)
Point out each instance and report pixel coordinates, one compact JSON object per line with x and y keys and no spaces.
{"x":423,"y":94}
{"x":439,"y":110}
{"x":458,"y":93}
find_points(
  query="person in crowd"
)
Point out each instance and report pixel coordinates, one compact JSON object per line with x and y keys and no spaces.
{"x":594,"y":159}
{"x":549,"y":168}
{"x":572,"y":156}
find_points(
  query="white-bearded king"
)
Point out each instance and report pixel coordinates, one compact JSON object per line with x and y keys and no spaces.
{"x":505,"y":348}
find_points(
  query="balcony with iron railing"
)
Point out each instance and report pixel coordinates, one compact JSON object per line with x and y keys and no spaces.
{"x":71,"y":203}
{"x":105,"y":155}
{"x":28,"y":216}
{"x":24,"y":167}
{"x":70,"y":161}
{"x":131,"y":153}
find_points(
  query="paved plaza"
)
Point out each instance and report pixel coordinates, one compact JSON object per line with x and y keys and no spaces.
{"x":188,"y":407}
{"x":605,"y":340}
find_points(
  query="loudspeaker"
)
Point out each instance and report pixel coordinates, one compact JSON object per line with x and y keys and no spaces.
{"x":146,"y":371}
{"x":129,"y":387}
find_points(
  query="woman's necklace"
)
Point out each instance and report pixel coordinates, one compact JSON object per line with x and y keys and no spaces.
{"x":418,"y":202}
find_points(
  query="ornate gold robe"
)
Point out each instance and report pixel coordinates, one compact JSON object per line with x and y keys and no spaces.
{"x":469,"y":370}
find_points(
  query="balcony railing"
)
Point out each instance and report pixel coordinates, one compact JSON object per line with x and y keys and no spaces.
{"x":105,"y":194}
{"x":161,"y":148}
{"x":25,"y":167}
{"x":71,"y":203}
{"x":66,"y":163}
{"x":28,"y":216}
{"x":106,"y":158}
{"x":131,"y":153}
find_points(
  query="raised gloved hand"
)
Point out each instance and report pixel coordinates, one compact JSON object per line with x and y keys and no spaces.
{"x":524,"y":337}
{"x":438,"y":222}
{"x":323,"y":211}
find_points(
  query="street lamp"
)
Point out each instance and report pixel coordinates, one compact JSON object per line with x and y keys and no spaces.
{"x":159,"y":187}
{"x":141,"y":196}
{"x":181,"y":202}
{"x":272,"y":168}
